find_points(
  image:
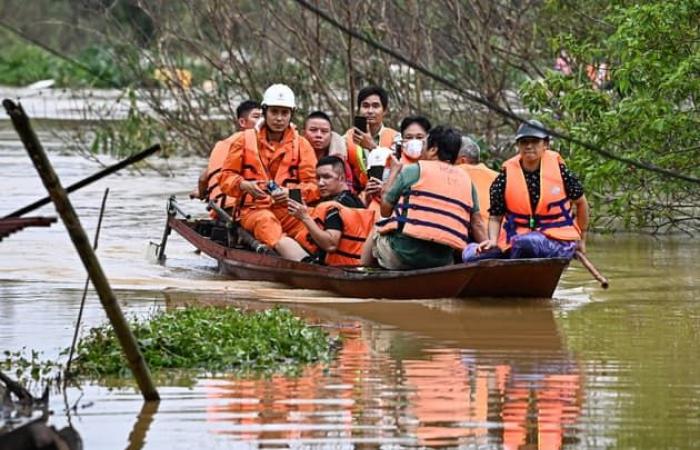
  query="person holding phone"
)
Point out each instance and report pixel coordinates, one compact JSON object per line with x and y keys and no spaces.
{"x":367,"y":133}
{"x":336,"y":229}
{"x":262,"y":165}
{"x":438,"y":203}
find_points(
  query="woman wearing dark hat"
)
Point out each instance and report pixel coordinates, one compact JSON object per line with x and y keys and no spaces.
{"x":538,"y":207}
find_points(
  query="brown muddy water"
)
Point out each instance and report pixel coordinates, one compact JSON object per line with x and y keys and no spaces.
{"x":587,"y":369}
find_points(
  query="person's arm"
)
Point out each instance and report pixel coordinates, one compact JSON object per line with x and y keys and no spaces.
{"x":307,"y":172}
{"x":389,"y":189}
{"x":327,"y":240}
{"x":494,"y":227}
{"x":231,"y":181}
{"x":581,"y":205}
{"x":496,"y":212}
{"x":479,"y":232}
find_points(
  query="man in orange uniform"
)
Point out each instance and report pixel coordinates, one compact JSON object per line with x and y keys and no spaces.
{"x":538,"y":207}
{"x":263,"y":165}
{"x":372,"y":103}
{"x":247,"y":115}
{"x":482,"y":176}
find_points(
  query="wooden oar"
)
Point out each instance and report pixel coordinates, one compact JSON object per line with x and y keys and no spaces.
{"x":84,"y":182}
{"x":591,"y":268}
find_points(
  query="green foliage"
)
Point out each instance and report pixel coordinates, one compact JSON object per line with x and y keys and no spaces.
{"x":22,"y":63}
{"x":27,"y":368}
{"x":211,"y":339}
{"x":649,"y":114}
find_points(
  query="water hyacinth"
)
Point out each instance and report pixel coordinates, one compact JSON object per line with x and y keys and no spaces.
{"x":211,"y":339}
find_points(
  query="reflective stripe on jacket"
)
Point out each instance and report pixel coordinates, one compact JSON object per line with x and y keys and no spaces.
{"x":436,"y":208}
{"x":553,"y":215}
{"x":357,"y":224}
{"x":253,"y":168}
{"x":357,"y":158}
{"x":216,"y":161}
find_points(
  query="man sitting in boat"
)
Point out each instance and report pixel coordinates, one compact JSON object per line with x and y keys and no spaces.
{"x":427,"y":207}
{"x":247,"y":115}
{"x":373,"y":104}
{"x":318,"y":130}
{"x":263,"y":165}
{"x":336,"y":228}
{"x":531,"y":204}
{"x":482,"y":177}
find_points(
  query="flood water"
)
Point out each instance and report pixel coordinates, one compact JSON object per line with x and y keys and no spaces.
{"x":587,"y":369}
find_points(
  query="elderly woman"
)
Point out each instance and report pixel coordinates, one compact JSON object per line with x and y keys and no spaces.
{"x":538,"y":208}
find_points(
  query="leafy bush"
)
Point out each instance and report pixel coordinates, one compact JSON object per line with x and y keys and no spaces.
{"x":649,"y":113}
{"x":211,"y":339}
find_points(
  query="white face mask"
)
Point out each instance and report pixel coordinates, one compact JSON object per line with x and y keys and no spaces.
{"x":413,"y":148}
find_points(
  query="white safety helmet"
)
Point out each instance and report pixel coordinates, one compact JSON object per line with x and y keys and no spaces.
{"x":279,"y":95}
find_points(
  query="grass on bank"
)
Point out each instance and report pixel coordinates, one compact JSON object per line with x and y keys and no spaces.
{"x":210,"y":339}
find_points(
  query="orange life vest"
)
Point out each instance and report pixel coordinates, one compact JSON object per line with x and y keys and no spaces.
{"x":216,"y":161}
{"x":552,"y":216}
{"x":357,"y":224}
{"x":436,"y":208}
{"x":357,"y":158}
{"x":482,"y":177}
{"x":253,"y":169}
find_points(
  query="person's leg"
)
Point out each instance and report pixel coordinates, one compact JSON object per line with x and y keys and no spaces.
{"x":537,"y":245}
{"x":469,"y":254}
{"x":385,"y":255}
{"x":288,"y":248}
{"x":263,"y":224}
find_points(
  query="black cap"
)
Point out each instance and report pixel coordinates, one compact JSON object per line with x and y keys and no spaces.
{"x":527,"y":129}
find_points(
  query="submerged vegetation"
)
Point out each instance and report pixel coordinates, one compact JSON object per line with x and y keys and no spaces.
{"x":178,"y":344}
{"x":211,"y":339}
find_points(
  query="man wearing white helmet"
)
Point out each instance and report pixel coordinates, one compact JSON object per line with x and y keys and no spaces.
{"x":261,"y":167}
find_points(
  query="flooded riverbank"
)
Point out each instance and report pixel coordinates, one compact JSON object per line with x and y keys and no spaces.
{"x":587,"y":369}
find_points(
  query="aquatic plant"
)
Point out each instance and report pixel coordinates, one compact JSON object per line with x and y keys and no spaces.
{"x":211,"y":339}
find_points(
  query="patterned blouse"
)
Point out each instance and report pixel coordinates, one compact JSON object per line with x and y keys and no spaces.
{"x":572,"y":186}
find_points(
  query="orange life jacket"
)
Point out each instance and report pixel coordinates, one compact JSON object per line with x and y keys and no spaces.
{"x":253,"y":169}
{"x":552,"y":216}
{"x":436,"y":208}
{"x":357,"y":224}
{"x":482,"y":177}
{"x":216,"y":161}
{"x":357,"y":158}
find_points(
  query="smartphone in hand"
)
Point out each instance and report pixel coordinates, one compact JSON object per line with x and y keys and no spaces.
{"x":360,"y":122}
{"x":376,"y":172}
{"x":295,"y":194}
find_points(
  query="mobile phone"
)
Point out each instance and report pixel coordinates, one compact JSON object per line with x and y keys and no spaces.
{"x":376,"y":172}
{"x":360,"y":122}
{"x":295,"y":194}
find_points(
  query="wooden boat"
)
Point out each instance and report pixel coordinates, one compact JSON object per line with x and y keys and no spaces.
{"x":489,"y":278}
{"x":9,"y":225}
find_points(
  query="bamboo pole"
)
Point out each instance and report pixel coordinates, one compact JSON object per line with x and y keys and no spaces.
{"x":58,"y":195}
{"x":583,"y":259}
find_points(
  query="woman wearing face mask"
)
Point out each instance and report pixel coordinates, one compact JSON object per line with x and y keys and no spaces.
{"x":414,"y":131}
{"x":407,"y":148}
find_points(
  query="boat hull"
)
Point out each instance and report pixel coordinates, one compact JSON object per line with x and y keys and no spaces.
{"x":489,"y":278}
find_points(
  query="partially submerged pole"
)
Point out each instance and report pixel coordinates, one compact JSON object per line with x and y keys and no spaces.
{"x":82,"y":244}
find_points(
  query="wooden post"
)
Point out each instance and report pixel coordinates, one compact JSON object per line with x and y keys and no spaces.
{"x":82,"y":244}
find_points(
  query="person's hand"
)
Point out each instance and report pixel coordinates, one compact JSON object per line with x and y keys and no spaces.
{"x":252,"y":188}
{"x":297,"y":210}
{"x":363,"y":139}
{"x":486,"y":245}
{"x":373,"y":187}
{"x":194,"y":193}
{"x":280,"y":196}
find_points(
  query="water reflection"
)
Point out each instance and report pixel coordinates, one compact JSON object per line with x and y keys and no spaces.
{"x":433,"y":374}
